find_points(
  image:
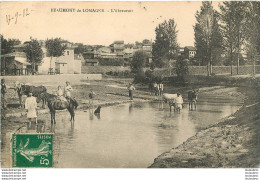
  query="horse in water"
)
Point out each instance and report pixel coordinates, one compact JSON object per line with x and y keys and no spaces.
{"x":192,"y":98}
{"x":54,"y":103}
{"x":38,"y":91}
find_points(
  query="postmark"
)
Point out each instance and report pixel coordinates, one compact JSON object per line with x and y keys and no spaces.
{"x":32,"y":150}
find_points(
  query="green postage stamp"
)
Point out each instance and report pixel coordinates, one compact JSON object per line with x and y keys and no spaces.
{"x":32,"y":150}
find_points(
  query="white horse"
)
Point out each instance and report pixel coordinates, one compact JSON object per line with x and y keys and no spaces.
{"x":170,"y":98}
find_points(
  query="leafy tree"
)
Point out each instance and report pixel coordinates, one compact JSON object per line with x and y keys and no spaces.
{"x":138,"y":62}
{"x":181,"y":68}
{"x":34,"y":53}
{"x":80,"y":49}
{"x":165,"y":46}
{"x":146,"y":41}
{"x":253,"y":32}
{"x":55,"y":48}
{"x":208,"y":38}
{"x":7,"y":46}
{"x":15,"y":41}
{"x":233,"y":17}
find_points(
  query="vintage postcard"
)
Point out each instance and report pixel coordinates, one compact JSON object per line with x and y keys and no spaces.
{"x":130,"y":84}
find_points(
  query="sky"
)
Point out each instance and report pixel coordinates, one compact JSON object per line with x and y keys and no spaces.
{"x":23,"y":20}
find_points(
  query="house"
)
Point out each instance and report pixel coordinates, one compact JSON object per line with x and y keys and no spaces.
{"x":15,"y":64}
{"x":91,"y":54}
{"x":108,"y":55}
{"x":118,"y":46}
{"x":91,"y":62}
{"x":147,"y":47}
{"x":189,"y":52}
{"x":65,"y":64}
{"x":104,"y":50}
{"x":181,"y":51}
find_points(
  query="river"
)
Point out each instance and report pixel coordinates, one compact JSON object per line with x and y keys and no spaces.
{"x":127,"y":135}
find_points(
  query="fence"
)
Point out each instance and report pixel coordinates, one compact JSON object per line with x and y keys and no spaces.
{"x":202,"y":70}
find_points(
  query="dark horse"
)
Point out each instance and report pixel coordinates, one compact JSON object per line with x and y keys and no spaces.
{"x":192,"y":98}
{"x":38,"y":91}
{"x":54,"y":103}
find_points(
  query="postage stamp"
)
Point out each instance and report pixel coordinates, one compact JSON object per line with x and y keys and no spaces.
{"x":32,"y":150}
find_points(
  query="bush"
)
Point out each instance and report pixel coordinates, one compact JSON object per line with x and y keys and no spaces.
{"x":139,"y":77}
{"x":181,"y":68}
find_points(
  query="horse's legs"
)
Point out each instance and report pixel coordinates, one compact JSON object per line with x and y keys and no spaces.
{"x":43,"y":103}
{"x":21,"y":101}
{"x":72,"y":113}
{"x":195,"y":105}
{"x":54,"y":117}
{"x":51,"y":117}
{"x":170,"y":108}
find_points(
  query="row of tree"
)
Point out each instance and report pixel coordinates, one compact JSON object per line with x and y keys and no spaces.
{"x":233,"y":31}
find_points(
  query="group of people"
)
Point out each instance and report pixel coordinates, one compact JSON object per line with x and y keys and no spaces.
{"x":156,"y":88}
{"x":31,"y":103}
{"x":62,"y":95}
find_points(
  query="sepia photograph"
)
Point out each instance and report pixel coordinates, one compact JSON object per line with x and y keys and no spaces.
{"x":130,"y":84}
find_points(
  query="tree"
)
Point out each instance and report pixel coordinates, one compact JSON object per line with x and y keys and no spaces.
{"x":55,"y":48}
{"x":208,"y":38}
{"x":7,"y":46}
{"x":165,"y":46}
{"x":253,"y":32}
{"x":233,"y":20}
{"x":80,"y":49}
{"x":181,"y":68}
{"x":146,"y":41}
{"x":34,"y":53}
{"x":138,"y":62}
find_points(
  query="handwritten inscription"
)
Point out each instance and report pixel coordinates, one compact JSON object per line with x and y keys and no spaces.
{"x":10,"y":18}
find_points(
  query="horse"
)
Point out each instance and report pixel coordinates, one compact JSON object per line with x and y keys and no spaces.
{"x":192,"y":98}
{"x":170,"y":98}
{"x":38,"y":91}
{"x":54,"y":103}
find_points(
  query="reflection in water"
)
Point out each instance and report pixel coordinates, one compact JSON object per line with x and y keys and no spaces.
{"x":91,"y":114}
{"x":52,"y":129}
{"x":33,"y":127}
{"x":97,"y":115}
{"x":71,"y":130}
{"x":130,"y":107}
{"x":129,"y":135}
{"x":160,"y":105}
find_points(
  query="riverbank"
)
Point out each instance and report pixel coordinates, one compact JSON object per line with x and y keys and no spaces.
{"x":233,"y":143}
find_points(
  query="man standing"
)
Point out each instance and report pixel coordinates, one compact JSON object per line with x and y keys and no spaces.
{"x":31,"y":106}
{"x":160,"y":88}
{"x":3,"y":92}
{"x":91,"y":96}
{"x":18,"y":88}
{"x":178,"y":102}
{"x":131,"y":89}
